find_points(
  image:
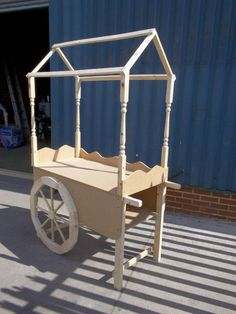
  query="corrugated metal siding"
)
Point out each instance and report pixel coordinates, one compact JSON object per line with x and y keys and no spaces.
{"x":199,"y":38}
{"x":17,"y":5}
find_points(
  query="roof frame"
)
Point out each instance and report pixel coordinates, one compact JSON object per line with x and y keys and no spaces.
{"x":90,"y":74}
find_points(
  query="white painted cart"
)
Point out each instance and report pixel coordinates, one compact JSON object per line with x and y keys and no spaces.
{"x":108,"y":195}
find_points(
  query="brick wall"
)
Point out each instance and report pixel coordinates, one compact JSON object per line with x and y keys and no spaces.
{"x":202,"y":202}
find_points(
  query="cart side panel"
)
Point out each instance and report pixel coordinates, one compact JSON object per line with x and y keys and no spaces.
{"x":140,"y":180}
{"x":97,"y":210}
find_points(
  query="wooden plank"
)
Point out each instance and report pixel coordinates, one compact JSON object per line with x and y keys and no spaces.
{"x":97,"y":209}
{"x":162,"y":54}
{"x":139,"y":51}
{"x":132,"y":77}
{"x":64,"y":59}
{"x":160,"y":211}
{"x":115,"y":70}
{"x":133,"y":261}
{"x":140,"y":180}
{"x":104,"y":38}
{"x":43,"y":61}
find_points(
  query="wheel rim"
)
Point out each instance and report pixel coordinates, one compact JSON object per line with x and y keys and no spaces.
{"x":54,"y":214}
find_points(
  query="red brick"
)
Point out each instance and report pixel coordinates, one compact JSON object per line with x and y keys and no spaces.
{"x":232,"y":207}
{"x":219,"y":206}
{"x":211,"y":210}
{"x":201,"y":203}
{"x":174,"y":193}
{"x":190,"y":207}
{"x":227,"y":213}
{"x":192,"y":196}
{"x":188,"y":189}
{"x":228,"y":201}
{"x":200,"y":191}
{"x":210,"y":199}
{"x":174,"y":204}
{"x":170,"y":198}
{"x":220,"y":194}
{"x":183,"y":200}
{"x":233,"y":196}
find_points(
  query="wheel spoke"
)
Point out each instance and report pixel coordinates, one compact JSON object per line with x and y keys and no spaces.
{"x":52,"y":200}
{"x":59,"y":206}
{"x":42,"y":209}
{"x":45,"y":222}
{"x":62,"y":219}
{"x":59,"y":230}
{"x":52,"y":231}
{"x":46,"y":201}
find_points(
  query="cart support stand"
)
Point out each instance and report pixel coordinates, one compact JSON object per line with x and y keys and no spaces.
{"x":77,"y":123}
{"x":33,"y":123}
{"x":160,"y":211}
{"x":119,"y":245}
{"x":119,"y":253}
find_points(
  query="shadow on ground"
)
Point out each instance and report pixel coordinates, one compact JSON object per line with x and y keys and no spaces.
{"x":197,"y":273}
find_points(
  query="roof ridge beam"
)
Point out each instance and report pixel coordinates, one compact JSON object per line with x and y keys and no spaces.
{"x":94,"y":40}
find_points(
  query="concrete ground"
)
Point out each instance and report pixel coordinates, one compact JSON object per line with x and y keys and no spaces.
{"x":197,"y":273}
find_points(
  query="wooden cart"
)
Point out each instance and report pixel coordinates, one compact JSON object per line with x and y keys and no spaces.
{"x":108,"y":195}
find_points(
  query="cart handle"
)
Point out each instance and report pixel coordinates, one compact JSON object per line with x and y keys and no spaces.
{"x":128,"y":200}
{"x":172,"y":185}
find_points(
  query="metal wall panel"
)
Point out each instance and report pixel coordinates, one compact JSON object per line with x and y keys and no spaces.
{"x":199,"y":38}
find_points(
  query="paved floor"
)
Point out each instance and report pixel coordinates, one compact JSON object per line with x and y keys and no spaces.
{"x":197,"y":273}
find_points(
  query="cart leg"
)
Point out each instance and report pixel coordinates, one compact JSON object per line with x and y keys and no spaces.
{"x":119,"y":254}
{"x":160,"y":211}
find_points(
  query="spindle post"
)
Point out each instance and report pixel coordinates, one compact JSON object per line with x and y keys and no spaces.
{"x":77,"y":121}
{"x":124,"y":96}
{"x":169,"y":100}
{"x":161,"y":190}
{"x":33,"y":123}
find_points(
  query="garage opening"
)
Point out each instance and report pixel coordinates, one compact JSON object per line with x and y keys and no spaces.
{"x":24,"y":41}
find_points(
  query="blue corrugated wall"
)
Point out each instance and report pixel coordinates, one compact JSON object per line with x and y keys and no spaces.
{"x":199,"y":37}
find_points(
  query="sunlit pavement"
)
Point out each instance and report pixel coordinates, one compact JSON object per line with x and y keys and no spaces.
{"x":197,"y":273}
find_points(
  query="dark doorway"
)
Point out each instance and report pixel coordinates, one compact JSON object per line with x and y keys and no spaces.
{"x":24,"y":41}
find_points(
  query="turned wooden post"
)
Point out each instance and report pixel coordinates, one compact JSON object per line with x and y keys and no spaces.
{"x":169,"y":100}
{"x":77,"y":121}
{"x":33,"y":123}
{"x":124,"y":96}
{"x":119,"y":246}
{"x":161,"y":190}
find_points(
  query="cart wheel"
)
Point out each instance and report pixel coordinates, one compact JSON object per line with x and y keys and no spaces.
{"x":54,"y":214}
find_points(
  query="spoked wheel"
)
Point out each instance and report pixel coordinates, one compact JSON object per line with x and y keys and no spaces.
{"x":54,"y":214}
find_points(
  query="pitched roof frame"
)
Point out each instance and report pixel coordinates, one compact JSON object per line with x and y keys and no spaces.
{"x":107,"y":74}
{"x":115,"y":72}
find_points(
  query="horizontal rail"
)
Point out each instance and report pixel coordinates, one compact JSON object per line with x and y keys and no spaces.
{"x":132,"y":77}
{"x":104,"y":38}
{"x":172,"y":185}
{"x":117,"y":77}
{"x":117,"y":70}
{"x":133,"y":261}
{"x":132,"y":201}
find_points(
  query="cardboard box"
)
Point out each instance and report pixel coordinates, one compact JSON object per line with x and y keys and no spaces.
{"x":11,"y":137}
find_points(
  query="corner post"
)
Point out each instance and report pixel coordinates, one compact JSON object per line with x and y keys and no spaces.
{"x":161,"y":189}
{"x":34,"y":145}
{"x":77,"y":121}
{"x":169,"y":100}
{"x":124,"y":97}
{"x":119,"y":244}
